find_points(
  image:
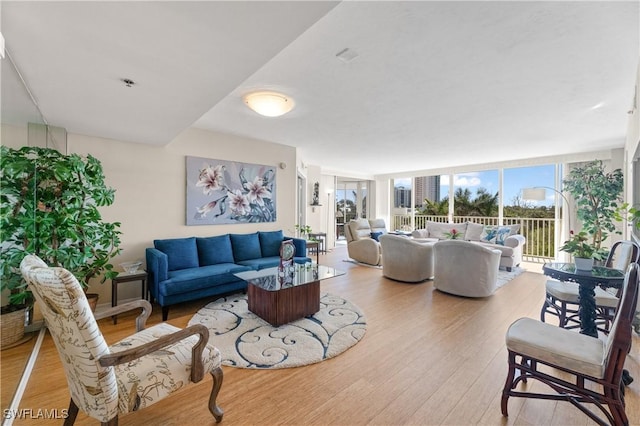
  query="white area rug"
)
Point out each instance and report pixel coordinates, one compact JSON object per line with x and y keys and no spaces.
{"x":247,"y":341}
{"x":504,"y":276}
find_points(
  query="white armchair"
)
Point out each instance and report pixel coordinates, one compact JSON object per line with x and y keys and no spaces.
{"x":466,"y":269}
{"x":360,"y":246}
{"x":404,"y":259}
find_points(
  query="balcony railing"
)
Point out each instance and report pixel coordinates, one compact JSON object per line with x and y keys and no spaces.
{"x":539,"y":232}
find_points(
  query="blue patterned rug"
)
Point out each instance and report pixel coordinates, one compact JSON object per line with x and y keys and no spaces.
{"x":247,"y":341}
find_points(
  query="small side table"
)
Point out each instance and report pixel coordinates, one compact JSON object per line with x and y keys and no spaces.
{"x":314,"y":245}
{"x":124,"y":277}
{"x":320,"y":237}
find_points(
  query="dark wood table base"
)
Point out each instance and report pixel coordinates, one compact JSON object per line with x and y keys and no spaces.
{"x":285,"y":305}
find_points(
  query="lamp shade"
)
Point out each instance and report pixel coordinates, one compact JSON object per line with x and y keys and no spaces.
{"x":269,"y":104}
{"x":534,"y":194}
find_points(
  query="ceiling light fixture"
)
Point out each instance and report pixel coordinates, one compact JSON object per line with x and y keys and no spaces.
{"x":269,"y":104}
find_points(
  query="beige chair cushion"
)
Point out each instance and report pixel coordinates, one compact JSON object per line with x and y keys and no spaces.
{"x":557,"y":346}
{"x":377,"y":225}
{"x":150,"y":378}
{"x":569,"y":292}
{"x":359,"y":229}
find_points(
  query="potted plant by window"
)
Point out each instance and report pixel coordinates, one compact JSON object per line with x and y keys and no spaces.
{"x":598,"y":197}
{"x":49,"y":207}
{"x":582,"y":251}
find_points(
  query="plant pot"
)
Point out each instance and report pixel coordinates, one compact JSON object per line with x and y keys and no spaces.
{"x":92,"y":298}
{"x":583,"y":264}
{"x":12,"y":328}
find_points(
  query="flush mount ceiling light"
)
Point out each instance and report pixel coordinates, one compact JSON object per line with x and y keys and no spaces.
{"x":269,"y":104}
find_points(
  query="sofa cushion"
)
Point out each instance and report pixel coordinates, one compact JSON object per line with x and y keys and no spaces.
{"x":420,"y":233}
{"x":474,"y":231}
{"x":441,"y":230}
{"x":193,"y":279}
{"x":182,"y":253}
{"x":214,"y":250}
{"x":270,"y":243}
{"x":489,"y":233}
{"x":505,"y":250}
{"x":513,"y":229}
{"x":245,"y":246}
{"x":495,"y":234}
{"x":501,"y":234}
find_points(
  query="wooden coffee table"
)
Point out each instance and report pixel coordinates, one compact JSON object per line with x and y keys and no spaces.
{"x":280,"y":304}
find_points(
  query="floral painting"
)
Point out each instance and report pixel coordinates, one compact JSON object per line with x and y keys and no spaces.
{"x":223,"y":192}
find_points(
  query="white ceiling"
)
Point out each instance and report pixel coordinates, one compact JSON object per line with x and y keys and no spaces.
{"x":436,"y":84}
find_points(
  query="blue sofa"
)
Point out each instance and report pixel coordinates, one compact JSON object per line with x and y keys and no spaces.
{"x":183,"y":269}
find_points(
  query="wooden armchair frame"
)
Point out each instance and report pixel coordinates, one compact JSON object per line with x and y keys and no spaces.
{"x":575,"y":392}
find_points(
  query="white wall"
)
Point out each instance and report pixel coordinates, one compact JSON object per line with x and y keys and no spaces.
{"x":150,"y":184}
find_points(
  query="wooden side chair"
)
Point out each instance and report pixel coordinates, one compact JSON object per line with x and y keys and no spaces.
{"x":140,"y":370}
{"x":563,"y":300}
{"x":583,"y":359}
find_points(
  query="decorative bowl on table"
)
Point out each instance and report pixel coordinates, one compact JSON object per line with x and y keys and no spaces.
{"x":131,"y":267}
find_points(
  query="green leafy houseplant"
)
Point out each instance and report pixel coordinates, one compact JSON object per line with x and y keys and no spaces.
{"x":304,"y":230}
{"x":598,"y":196}
{"x":49,"y":207}
{"x":578,"y":246}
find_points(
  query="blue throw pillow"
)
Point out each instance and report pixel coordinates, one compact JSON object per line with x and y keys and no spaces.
{"x":214,"y":250}
{"x":270,"y":243}
{"x":501,"y":234}
{"x":181,"y":252}
{"x":245,"y":246}
{"x":376,"y":235}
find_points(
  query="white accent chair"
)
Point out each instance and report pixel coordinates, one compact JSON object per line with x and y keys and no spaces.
{"x":465,"y":269}
{"x":404,"y":259}
{"x":140,"y":370}
{"x":360,"y":246}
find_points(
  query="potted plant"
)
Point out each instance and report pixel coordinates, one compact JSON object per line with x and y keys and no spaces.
{"x":49,"y":207}
{"x":304,"y":231}
{"x":598,"y":198}
{"x":582,"y":251}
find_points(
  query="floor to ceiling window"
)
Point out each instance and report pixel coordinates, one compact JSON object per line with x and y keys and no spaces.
{"x":490,"y":197}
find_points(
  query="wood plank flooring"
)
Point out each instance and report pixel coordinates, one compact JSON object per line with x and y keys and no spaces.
{"x":427,"y":359}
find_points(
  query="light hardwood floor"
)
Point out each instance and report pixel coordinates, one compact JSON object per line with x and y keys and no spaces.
{"x":427,"y":359}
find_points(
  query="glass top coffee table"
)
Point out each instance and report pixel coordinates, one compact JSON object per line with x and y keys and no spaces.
{"x":279,"y":301}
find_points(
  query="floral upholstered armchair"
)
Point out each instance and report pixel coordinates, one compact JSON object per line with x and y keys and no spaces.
{"x":140,"y":370}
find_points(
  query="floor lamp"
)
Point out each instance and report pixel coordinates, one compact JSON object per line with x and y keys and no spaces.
{"x":539,"y":193}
